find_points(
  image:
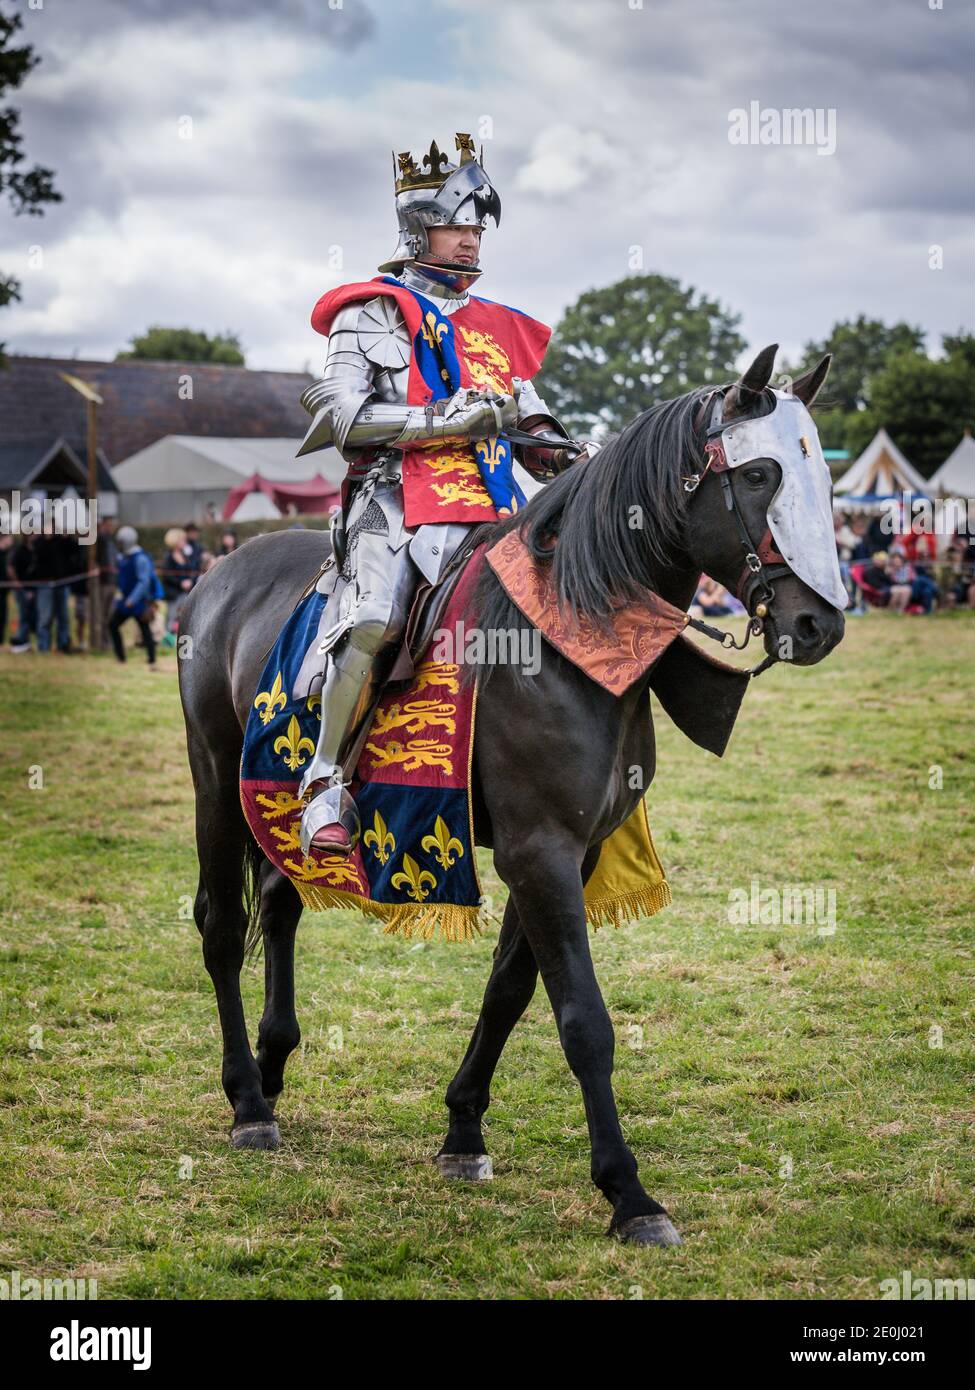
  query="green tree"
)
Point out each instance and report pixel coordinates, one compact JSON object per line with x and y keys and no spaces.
{"x":27,"y":190}
{"x":159,"y":344}
{"x":924,"y":405}
{"x":959,"y":347}
{"x":644,"y":339}
{"x":861,"y":347}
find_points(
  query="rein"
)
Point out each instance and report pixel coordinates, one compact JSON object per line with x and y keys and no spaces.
{"x":763,"y":562}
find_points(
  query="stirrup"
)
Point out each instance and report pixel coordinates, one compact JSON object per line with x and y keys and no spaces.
{"x":331,"y":808}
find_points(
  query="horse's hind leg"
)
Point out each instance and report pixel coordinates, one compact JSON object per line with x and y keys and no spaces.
{"x":222,"y":837}
{"x":507,"y":996}
{"x":546,"y":883}
{"x":278,"y":1034}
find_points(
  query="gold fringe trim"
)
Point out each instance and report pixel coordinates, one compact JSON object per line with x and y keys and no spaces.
{"x":454,"y":922}
{"x":457,"y":923}
{"x":621,"y":908}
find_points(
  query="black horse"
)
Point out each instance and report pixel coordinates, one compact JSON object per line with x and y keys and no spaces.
{"x":546,"y":817}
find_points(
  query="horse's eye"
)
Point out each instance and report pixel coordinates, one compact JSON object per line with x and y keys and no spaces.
{"x":755,"y":476}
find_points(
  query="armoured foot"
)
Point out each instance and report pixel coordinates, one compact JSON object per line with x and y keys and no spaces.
{"x":257,"y":1135}
{"x":465,"y":1167}
{"x":332,"y":839}
{"x":330,"y":823}
{"x":647,"y":1230}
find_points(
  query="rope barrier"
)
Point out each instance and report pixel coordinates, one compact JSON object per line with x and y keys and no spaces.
{"x":193,"y":575}
{"x":47,"y":583}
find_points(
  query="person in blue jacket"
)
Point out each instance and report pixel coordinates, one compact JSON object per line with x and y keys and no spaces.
{"x":138,"y":589}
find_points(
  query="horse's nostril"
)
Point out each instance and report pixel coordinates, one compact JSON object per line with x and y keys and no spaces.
{"x":810,"y":629}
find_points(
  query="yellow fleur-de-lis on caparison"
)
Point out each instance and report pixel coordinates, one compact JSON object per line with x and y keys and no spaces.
{"x":314,"y":702}
{"x":380,"y":836}
{"x":492,"y":453}
{"x":433,"y":331}
{"x":412,"y":878}
{"x":443,"y":842}
{"x":293,"y":745}
{"x":272,"y":700}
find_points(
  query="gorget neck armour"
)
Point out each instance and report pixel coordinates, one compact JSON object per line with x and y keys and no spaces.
{"x":434,"y":285}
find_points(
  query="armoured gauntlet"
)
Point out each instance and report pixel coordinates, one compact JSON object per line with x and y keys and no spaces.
{"x":468,"y":414}
{"x":353,"y":422}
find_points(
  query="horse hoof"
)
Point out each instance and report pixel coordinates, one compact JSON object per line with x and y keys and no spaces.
{"x":648,"y":1230}
{"x":256,"y":1136}
{"x":465,"y":1167}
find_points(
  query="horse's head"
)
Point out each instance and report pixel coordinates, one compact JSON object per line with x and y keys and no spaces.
{"x":760,"y":518}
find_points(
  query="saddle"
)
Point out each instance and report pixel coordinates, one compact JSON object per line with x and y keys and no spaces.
{"x":430,"y":603}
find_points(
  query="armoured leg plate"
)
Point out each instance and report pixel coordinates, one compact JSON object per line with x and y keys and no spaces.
{"x":374,"y":606}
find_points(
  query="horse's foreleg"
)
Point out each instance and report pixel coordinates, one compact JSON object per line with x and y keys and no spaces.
{"x":278,"y":1034}
{"x":546,"y":884}
{"x":507,"y":996}
{"x":221,"y":836}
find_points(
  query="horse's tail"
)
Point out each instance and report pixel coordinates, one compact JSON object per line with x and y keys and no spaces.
{"x":253,"y":862}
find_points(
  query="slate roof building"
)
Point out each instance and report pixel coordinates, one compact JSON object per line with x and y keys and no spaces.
{"x":42,"y":421}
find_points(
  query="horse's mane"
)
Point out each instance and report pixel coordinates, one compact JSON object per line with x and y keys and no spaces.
{"x":617,"y":517}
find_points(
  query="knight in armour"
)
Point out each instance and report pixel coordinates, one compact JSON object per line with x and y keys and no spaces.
{"x":423,"y":383}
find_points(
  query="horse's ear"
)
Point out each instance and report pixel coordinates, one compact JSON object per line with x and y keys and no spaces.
{"x":743,"y":395}
{"x":808,"y":386}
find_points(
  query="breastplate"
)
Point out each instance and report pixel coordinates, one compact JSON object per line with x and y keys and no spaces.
{"x":390,"y":383}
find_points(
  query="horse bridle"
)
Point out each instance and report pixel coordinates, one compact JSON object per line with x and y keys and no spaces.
{"x":763,"y":562}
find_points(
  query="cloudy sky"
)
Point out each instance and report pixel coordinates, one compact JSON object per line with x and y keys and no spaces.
{"x":605,"y":125}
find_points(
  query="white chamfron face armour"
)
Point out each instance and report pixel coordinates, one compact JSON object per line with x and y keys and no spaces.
{"x":800,"y":515}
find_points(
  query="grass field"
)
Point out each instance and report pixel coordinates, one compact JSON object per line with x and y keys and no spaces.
{"x":800,"y":1102}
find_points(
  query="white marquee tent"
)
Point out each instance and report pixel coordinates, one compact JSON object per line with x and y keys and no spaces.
{"x":174,"y":479}
{"x":956,"y":476}
{"x":881,"y":472}
{"x":257,"y":506}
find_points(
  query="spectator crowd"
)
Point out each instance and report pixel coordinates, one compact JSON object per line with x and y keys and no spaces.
{"x":881,"y":569}
{"x":902,"y":571}
{"x":47,"y":578}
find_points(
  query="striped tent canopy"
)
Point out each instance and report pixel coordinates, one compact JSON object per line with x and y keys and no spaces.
{"x":880,"y":471}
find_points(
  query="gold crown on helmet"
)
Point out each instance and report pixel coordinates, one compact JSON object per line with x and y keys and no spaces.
{"x":408,"y":174}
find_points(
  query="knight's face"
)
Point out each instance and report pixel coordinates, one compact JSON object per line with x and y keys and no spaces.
{"x":461,"y":243}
